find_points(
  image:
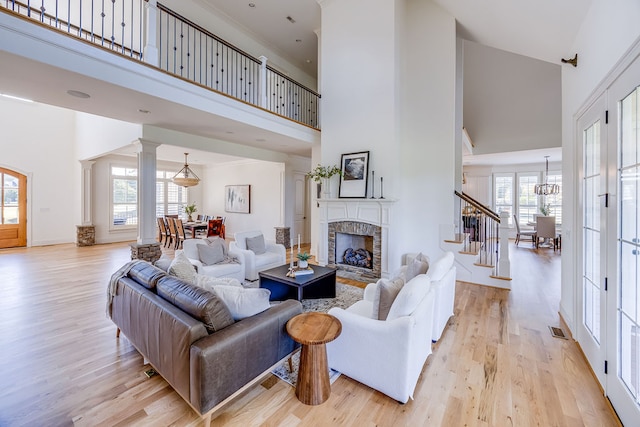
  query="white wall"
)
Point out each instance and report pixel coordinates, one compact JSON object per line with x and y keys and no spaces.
{"x":511,"y":102}
{"x":38,"y":141}
{"x":609,"y":29}
{"x":388,"y":82}
{"x":267,"y":201}
{"x":96,"y":135}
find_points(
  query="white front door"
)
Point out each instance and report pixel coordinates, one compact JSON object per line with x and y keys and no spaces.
{"x":623,"y":247}
{"x":591,"y":326}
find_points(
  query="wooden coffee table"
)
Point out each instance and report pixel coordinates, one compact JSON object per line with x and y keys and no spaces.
{"x":313,"y":330}
{"x":320,"y":284}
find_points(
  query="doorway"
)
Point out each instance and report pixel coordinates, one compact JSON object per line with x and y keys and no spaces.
{"x":13,"y":209}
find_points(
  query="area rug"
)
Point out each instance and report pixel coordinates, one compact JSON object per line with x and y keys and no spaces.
{"x":346,"y":295}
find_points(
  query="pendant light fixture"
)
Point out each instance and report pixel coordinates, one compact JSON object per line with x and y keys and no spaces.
{"x":546,"y":188}
{"x":185,"y":177}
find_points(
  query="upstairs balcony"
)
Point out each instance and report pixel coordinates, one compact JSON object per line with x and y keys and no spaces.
{"x":152,"y":34}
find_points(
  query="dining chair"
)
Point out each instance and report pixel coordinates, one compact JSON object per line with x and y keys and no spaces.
{"x":520,"y":233}
{"x":215,"y":228}
{"x":172,"y":229}
{"x":546,"y":229}
{"x":180,"y":233}
{"x":163,"y":233}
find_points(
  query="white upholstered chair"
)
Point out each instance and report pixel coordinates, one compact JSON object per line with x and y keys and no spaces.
{"x":546,"y":229}
{"x":224,"y":269}
{"x":274,"y":255}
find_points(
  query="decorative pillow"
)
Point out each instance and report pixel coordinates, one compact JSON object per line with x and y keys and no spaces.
{"x":199,"y":303}
{"x":256,"y":244}
{"x":419,"y":265}
{"x":409,"y":297}
{"x":210,"y":254}
{"x":208,"y":282}
{"x":164,"y":262}
{"x":243,"y":302}
{"x":386,"y":293}
{"x":182,"y":268}
{"x":218,"y":241}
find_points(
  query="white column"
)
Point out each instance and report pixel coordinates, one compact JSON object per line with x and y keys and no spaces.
{"x":86,"y":192}
{"x":263,"y":82}
{"x":504,"y":263}
{"x":146,"y":191}
{"x":150,"y":53}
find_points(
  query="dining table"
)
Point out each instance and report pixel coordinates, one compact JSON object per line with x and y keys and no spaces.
{"x":194,"y":226}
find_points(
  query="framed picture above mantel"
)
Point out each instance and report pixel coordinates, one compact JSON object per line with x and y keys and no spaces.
{"x":237,"y":198}
{"x":355,"y":172}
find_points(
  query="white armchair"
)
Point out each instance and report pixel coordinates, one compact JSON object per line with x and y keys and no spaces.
{"x":274,"y":255}
{"x":387,"y":355}
{"x":443,"y":280}
{"x":223,"y":269}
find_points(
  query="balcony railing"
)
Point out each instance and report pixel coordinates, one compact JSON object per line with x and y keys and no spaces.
{"x":184,"y":49}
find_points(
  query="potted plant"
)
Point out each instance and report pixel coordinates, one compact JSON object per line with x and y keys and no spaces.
{"x":545,"y":209}
{"x":323,"y":174}
{"x":190,"y":210}
{"x":303,"y":260}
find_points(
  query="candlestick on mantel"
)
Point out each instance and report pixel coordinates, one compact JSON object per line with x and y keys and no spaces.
{"x":373,"y":185}
{"x":381,"y":196}
{"x":291,"y":261}
{"x":298,"y":243}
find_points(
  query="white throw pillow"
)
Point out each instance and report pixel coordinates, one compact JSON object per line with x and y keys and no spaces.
{"x":208,"y":282}
{"x":386,"y":293}
{"x":256,"y":244}
{"x":182,"y":268}
{"x":409,"y":297}
{"x":210,"y":254}
{"x":243,"y":302}
{"x":218,"y":241}
{"x":441,"y":266}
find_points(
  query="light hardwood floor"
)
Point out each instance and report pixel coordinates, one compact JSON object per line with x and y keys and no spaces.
{"x":496,"y":364}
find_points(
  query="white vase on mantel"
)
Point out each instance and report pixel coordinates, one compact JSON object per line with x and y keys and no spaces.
{"x":326,"y":188}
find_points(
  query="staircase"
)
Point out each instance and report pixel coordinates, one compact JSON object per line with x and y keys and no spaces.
{"x":480,"y":246}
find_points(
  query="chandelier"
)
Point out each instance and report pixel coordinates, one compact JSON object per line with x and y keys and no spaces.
{"x":546,"y":188}
{"x":185,"y":177}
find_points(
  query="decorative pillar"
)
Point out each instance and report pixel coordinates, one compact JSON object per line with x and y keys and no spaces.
{"x":147,"y":247}
{"x":263,"y":82}
{"x":86,"y":232}
{"x":150,"y":52}
{"x":504,"y":263}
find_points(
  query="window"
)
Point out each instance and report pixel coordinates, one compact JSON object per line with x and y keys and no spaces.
{"x":9,"y":199}
{"x":124,"y":199}
{"x":170,"y":198}
{"x":503,"y":197}
{"x":555,"y":200}
{"x":527,"y":198}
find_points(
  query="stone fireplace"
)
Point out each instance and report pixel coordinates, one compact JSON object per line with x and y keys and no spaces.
{"x":355,"y":236}
{"x":362,"y":225}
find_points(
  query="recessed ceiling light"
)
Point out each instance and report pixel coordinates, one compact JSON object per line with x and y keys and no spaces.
{"x":252,"y":5}
{"x":17,"y":98}
{"x":78,"y":94}
{"x":143,"y":111}
{"x":308,"y":61}
{"x":298,"y":40}
{"x":290,"y":19}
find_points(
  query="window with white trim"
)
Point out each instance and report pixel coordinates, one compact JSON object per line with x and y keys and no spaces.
{"x":527,"y":198}
{"x":170,"y":198}
{"x":503,"y":197}
{"x":124,"y":197}
{"x":555,"y":200}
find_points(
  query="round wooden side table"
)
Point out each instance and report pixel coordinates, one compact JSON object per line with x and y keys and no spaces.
{"x":313,"y":330}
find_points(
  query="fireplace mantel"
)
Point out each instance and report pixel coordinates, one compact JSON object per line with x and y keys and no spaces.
{"x":371,"y":211}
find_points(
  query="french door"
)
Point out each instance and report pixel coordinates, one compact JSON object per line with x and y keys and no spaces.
{"x":13,"y":209}
{"x":609,"y":295}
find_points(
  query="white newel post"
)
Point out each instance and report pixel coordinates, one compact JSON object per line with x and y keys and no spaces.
{"x":504,"y":264}
{"x":150,"y":53}
{"x":146,"y":191}
{"x":263,"y":81}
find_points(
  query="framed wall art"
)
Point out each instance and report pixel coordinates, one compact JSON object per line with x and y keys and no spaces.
{"x":355,"y":170}
{"x":237,"y":198}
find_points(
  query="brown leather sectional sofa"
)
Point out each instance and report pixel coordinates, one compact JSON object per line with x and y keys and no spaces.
{"x":177,"y":327}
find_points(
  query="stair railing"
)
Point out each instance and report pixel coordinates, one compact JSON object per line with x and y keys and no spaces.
{"x":481,"y":232}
